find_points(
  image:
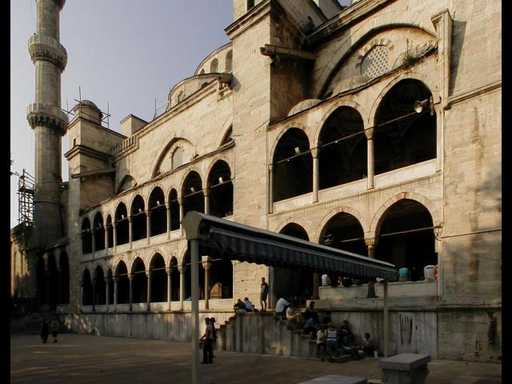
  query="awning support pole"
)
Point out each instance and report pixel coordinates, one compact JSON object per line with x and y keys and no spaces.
{"x":386,"y":320}
{"x":194,"y":258}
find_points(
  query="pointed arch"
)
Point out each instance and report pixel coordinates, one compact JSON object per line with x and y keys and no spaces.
{"x":164,"y":160}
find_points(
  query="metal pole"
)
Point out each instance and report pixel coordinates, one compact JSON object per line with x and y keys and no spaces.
{"x":386,"y":320}
{"x":194,"y":258}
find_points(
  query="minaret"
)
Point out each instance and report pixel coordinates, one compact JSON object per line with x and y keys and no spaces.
{"x":48,"y":121}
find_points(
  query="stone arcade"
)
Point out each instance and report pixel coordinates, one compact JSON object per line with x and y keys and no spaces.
{"x":373,"y":128}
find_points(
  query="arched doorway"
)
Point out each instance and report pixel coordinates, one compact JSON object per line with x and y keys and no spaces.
{"x":158,"y":219}
{"x":86,"y":236}
{"x":110,"y":282}
{"x":343,"y":231}
{"x":294,"y":284}
{"x":175,"y":210}
{"x":110,"y":232}
{"x":123,"y":283}
{"x":122,"y":225}
{"x":403,"y":137}
{"x":158,"y":279}
{"x":342,"y":152}
{"x":292,"y":166}
{"x":220,"y":278}
{"x":192,"y":192}
{"x":86,"y":288}
{"x":175,"y":280}
{"x":99,"y":287}
{"x":138,"y":214}
{"x":220,"y":190}
{"x":406,"y":237}
{"x":139,"y":281}
{"x":99,"y":232}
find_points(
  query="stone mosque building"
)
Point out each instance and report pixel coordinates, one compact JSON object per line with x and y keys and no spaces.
{"x":373,"y":128}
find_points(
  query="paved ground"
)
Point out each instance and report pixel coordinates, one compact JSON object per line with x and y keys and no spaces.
{"x":81,"y":359}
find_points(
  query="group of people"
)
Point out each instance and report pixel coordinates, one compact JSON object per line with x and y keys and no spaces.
{"x":208,"y":340}
{"x":49,"y":326}
{"x":247,"y":306}
{"x":333,"y":342}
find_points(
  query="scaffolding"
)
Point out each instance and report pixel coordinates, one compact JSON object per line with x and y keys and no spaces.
{"x":26,"y":185}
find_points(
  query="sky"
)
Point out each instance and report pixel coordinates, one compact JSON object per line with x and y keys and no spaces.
{"x":121,"y":53}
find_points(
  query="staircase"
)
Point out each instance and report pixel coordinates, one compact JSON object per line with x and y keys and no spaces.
{"x":261,"y":333}
{"x":30,"y":324}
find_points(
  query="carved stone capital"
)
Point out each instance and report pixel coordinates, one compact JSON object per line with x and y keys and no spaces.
{"x":47,"y":115}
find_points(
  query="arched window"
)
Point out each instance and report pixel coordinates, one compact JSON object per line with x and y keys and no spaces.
{"x":175,"y":210}
{"x":175,"y":280}
{"x":406,"y":237}
{"x":110,"y":232}
{"x":229,"y":61}
{"x":177,"y":157}
{"x":402,"y":136}
{"x":214,"y":66}
{"x":158,"y":219}
{"x":64,"y":277}
{"x":220,"y":276}
{"x":292,"y":166}
{"x":122,"y":225}
{"x":342,"y":154}
{"x":188,"y":277}
{"x":86,"y":236}
{"x":139,"y":281}
{"x":138,"y":214}
{"x":343,"y":231}
{"x":158,"y":279}
{"x":192,"y":192}
{"x":86,"y":288}
{"x":123,"y":283}
{"x":99,"y":232}
{"x":220,"y":190}
{"x":294,"y":284}
{"x":99,"y":287}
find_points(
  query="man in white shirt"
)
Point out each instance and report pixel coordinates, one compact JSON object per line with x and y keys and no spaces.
{"x":281,"y":306}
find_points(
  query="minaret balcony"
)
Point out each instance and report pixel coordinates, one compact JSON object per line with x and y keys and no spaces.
{"x":47,"y":48}
{"x":39,"y":114}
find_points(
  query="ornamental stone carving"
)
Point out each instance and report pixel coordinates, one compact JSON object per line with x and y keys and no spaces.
{"x":49,"y":49}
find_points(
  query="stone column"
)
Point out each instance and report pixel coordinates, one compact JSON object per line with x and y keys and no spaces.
{"x":130,"y":230}
{"x":168,"y":216}
{"x":206,"y":265}
{"x":316,"y":174}
{"x":130,"y":290}
{"x":370,"y":244}
{"x":115,"y":293}
{"x":168,"y":270}
{"x":148,"y":225}
{"x":370,"y":158}
{"x":148,"y":291}
{"x":270,"y":188}
{"x":206,"y":202}
{"x":107,"y":292}
{"x":181,"y":270}
{"x":105,"y":229}
{"x":114,"y":236}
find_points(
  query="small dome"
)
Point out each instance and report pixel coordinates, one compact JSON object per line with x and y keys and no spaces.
{"x":88,"y":103}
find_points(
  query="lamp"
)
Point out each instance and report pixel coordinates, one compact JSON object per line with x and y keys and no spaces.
{"x":221,"y":180}
{"x":419,"y":106}
{"x":192,"y":189}
{"x":297,"y":150}
{"x":140,"y":210}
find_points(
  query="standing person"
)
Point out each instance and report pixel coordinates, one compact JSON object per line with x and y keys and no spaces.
{"x":44,"y":331}
{"x":206,"y":340}
{"x":214,"y":333}
{"x":263,"y":294}
{"x":54,"y":326}
{"x":281,"y":306}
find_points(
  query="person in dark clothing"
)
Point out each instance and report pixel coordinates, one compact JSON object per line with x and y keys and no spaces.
{"x":263,"y":294}
{"x":311,"y":319}
{"x":44,"y":331}
{"x":207,"y":340}
{"x":54,"y":327}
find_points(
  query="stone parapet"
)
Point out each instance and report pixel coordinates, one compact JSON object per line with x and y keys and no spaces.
{"x":47,"y":48}
{"x":39,"y":114}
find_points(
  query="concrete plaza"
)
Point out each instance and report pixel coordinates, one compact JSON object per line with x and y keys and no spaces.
{"x":81,"y":359}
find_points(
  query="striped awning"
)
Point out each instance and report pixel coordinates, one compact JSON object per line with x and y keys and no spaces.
{"x":244,"y":243}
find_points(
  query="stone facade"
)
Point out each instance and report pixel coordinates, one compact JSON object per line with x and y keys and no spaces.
{"x":289,"y":68}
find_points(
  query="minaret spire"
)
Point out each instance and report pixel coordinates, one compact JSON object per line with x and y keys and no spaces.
{"x":47,"y":120}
